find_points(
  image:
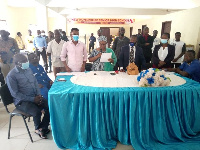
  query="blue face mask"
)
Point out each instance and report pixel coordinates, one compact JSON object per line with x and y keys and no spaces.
{"x":132,"y":44}
{"x":75,"y":37}
{"x":25,"y":65}
{"x":164,"y":41}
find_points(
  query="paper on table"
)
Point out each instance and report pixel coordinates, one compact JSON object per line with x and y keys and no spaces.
{"x":105,"y":57}
{"x":40,"y":49}
{"x":69,"y":73}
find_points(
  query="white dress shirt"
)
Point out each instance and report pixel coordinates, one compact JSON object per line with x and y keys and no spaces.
{"x":162,"y":53}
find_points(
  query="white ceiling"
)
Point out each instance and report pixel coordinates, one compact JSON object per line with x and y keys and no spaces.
{"x":112,"y":8}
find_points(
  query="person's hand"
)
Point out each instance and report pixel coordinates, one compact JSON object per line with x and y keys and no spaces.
{"x":122,"y":70}
{"x":83,"y":68}
{"x":162,"y":63}
{"x":146,"y":44}
{"x":68,"y":69}
{"x":170,"y":69}
{"x":111,"y":60}
{"x":40,"y":86}
{"x":38,"y":99}
{"x":51,"y":82}
{"x":99,"y":55}
{"x":174,"y":60}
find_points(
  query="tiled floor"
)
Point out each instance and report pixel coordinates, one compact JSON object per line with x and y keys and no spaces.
{"x":19,"y":137}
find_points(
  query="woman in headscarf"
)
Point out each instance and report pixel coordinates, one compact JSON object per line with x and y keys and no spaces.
{"x":95,"y":57}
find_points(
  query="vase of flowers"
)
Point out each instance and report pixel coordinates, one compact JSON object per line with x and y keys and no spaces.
{"x":153,"y":77}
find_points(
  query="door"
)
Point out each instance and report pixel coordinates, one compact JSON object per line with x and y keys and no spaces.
{"x":143,"y":26}
{"x":131,"y":30}
{"x":166,"y":27}
{"x":106,"y":32}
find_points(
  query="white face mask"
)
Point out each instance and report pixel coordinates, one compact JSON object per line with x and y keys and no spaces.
{"x":42,"y":33}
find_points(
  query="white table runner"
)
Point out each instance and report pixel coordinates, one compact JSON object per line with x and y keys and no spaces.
{"x":105,"y":79}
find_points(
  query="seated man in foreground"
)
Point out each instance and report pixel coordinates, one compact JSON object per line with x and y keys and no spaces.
{"x":190,"y":68}
{"x":25,"y":91}
{"x":42,"y":78}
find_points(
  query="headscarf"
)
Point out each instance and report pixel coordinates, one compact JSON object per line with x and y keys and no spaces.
{"x":102,"y":38}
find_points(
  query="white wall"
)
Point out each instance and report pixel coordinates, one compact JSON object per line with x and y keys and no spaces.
{"x":58,"y":22}
{"x":187,"y":22}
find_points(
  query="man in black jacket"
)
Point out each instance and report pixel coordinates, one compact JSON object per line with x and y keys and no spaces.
{"x":138,"y":57}
{"x":145,"y":41}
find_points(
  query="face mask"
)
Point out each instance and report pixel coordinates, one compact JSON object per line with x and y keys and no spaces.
{"x":25,"y":65}
{"x":75,"y":37}
{"x":132,"y":44}
{"x":164,"y":41}
{"x":42,"y":33}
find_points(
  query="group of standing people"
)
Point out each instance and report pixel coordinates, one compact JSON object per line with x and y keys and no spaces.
{"x":29,"y":83}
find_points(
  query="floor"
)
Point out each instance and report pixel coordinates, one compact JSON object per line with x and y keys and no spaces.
{"x":19,"y":137}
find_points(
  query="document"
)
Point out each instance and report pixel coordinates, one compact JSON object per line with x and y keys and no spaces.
{"x":40,"y":49}
{"x":105,"y":57}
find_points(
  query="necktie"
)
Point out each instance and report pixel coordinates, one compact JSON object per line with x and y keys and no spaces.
{"x":131,"y":58}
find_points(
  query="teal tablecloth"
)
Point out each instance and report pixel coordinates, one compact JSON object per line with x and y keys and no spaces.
{"x":161,"y":118}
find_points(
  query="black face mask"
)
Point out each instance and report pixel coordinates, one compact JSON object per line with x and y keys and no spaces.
{"x":122,"y":34}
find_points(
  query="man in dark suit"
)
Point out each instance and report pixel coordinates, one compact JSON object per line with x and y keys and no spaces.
{"x":137,"y":58}
{"x":145,"y":41}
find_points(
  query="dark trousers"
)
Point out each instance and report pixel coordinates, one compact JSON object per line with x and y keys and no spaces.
{"x":49,"y":60}
{"x":116,"y":67}
{"x":175,"y":65}
{"x":148,"y":59}
{"x":35,"y":110}
{"x":91,"y":46}
{"x":44,"y":57}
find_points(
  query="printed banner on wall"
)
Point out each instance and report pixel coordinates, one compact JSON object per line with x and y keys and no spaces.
{"x":99,"y":21}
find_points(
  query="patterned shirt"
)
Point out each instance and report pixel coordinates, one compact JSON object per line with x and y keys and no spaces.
{"x":40,"y":75}
{"x":97,"y":65}
{"x":103,"y":66}
{"x":8,"y":49}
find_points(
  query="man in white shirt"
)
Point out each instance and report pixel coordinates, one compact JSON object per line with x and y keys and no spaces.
{"x":180,"y":49}
{"x":156,"y":39}
{"x":29,"y":42}
{"x":54,"y":49}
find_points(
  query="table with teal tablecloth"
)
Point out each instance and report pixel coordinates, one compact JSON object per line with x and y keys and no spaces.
{"x":151,"y":118}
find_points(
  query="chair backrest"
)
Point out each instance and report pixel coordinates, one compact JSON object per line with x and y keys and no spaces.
{"x":5,"y":95}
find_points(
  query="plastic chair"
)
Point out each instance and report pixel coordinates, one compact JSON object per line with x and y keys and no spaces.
{"x":8,"y":99}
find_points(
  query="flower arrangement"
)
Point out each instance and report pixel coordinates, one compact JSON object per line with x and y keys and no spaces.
{"x":153,"y":77}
